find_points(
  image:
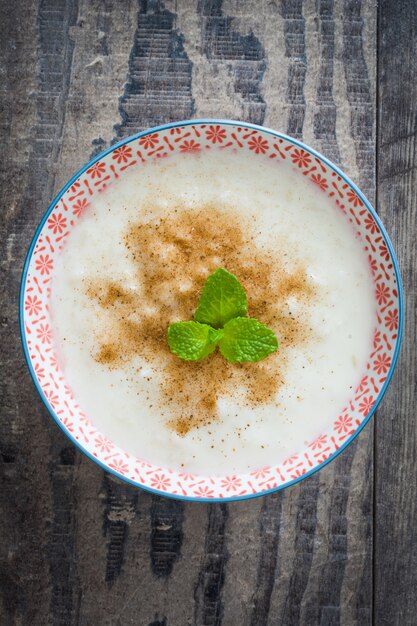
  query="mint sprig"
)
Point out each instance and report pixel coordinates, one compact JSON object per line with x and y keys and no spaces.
{"x":220,"y":320}
{"x":246,"y":339}
{"x":222,"y":299}
{"x":192,"y":341}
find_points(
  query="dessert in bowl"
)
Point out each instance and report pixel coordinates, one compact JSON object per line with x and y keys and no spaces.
{"x":124,"y":253}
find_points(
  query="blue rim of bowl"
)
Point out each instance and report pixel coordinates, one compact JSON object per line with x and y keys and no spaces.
{"x":279,"y":135}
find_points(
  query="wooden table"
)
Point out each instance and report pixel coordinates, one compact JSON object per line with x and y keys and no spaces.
{"x":79,"y":547}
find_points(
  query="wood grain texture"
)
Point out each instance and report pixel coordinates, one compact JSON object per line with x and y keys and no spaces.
{"x":38,"y":514}
{"x":158,"y":88}
{"x":83,"y":548}
{"x":54,"y":61}
{"x":208,"y":591}
{"x":295,"y":50}
{"x":396,"y":441}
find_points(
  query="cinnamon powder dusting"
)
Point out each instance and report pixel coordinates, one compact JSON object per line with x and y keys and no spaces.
{"x":173,"y":256}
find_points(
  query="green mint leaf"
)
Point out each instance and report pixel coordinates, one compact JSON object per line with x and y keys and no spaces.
{"x":222,"y":299}
{"x":192,"y":341}
{"x":246,"y":339}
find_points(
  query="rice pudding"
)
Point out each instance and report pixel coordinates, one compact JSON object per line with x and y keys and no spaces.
{"x":136,"y":261}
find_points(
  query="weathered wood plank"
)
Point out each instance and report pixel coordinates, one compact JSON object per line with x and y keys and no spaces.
{"x":54,"y":61}
{"x":158,"y":89}
{"x":35,"y":510}
{"x":103,"y":38}
{"x":396,"y":441}
{"x":295,"y":50}
{"x":341,"y":528}
{"x":209,"y":600}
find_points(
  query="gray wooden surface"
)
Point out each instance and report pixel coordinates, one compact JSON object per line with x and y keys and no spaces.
{"x":79,"y":547}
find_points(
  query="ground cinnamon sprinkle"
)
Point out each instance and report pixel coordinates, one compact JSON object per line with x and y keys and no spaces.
{"x":174,"y":255}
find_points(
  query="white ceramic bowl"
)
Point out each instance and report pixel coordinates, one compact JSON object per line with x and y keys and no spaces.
{"x":57,"y":225}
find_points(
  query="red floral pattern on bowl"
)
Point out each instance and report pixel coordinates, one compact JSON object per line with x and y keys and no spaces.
{"x":195,"y":136}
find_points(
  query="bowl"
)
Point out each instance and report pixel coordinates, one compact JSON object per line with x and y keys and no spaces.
{"x":60,"y":219}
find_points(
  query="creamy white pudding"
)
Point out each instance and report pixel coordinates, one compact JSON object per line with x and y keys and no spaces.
{"x":136,"y":261}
